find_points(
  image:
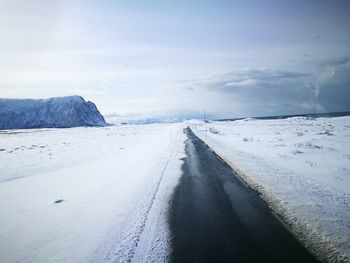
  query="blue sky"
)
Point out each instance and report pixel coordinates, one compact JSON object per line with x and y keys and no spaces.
{"x":177,"y":58}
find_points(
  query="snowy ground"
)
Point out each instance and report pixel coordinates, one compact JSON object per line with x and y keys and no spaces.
{"x":302,"y":168}
{"x":112,"y":186}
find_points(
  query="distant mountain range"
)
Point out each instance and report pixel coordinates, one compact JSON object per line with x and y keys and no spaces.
{"x":310,"y":115}
{"x":59,"y":112}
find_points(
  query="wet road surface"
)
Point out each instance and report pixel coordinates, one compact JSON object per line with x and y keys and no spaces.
{"x":215,"y":217}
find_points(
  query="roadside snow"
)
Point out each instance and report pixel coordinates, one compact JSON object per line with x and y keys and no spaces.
{"x":88,"y":194}
{"x":301,"y":166}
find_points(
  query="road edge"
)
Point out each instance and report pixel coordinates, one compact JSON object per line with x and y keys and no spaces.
{"x":310,"y":238}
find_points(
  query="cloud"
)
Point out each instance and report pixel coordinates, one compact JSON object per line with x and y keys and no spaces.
{"x":234,"y":81}
{"x":333,"y":61}
{"x":259,"y":92}
{"x":241,"y":83}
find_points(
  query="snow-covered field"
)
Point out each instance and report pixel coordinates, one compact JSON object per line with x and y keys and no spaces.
{"x":88,"y":194}
{"x":302,"y":168}
{"x":102,"y":194}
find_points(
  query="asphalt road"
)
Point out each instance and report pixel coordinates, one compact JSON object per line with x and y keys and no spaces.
{"x":215,"y":217}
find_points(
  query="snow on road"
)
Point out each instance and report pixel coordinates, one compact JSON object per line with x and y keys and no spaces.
{"x":88,"y":194}
{"x":302,"y":168}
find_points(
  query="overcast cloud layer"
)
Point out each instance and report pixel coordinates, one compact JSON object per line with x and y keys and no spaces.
{"x":177,"y":58}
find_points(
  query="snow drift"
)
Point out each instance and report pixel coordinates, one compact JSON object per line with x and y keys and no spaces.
{"x":300,"y":166}
{"x":60,"y":112}
{"x":88,"y":195}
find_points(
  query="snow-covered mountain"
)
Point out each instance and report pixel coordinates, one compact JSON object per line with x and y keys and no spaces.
{"x":60,"y":112}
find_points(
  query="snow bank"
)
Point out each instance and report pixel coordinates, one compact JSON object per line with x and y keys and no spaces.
{"x":88,"y":194}
{"x":60,"y":112}
{"x":301,"y":166}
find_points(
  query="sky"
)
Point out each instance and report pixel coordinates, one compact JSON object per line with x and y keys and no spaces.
{"x":176,"y":59}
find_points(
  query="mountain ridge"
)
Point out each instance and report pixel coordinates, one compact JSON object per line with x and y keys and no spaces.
{"x":56,"y":112}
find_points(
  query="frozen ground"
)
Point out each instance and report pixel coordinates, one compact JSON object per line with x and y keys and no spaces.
{"x":302,"y":168}
{"x":88,"y":194}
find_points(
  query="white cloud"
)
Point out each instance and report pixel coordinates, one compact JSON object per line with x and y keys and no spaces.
{"x":241,"y":83}
{"x":127,"y":59}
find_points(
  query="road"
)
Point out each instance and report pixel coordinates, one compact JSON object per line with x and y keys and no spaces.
{"x":215,"y":217}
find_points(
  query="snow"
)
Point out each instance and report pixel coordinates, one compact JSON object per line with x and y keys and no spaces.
{"x":59,"y":112}
{"x":88,"y":194}
{"x":301,"y":166}
{"x":101,"y":194}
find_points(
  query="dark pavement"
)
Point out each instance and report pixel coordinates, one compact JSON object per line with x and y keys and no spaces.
{"x":215,"y":217}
